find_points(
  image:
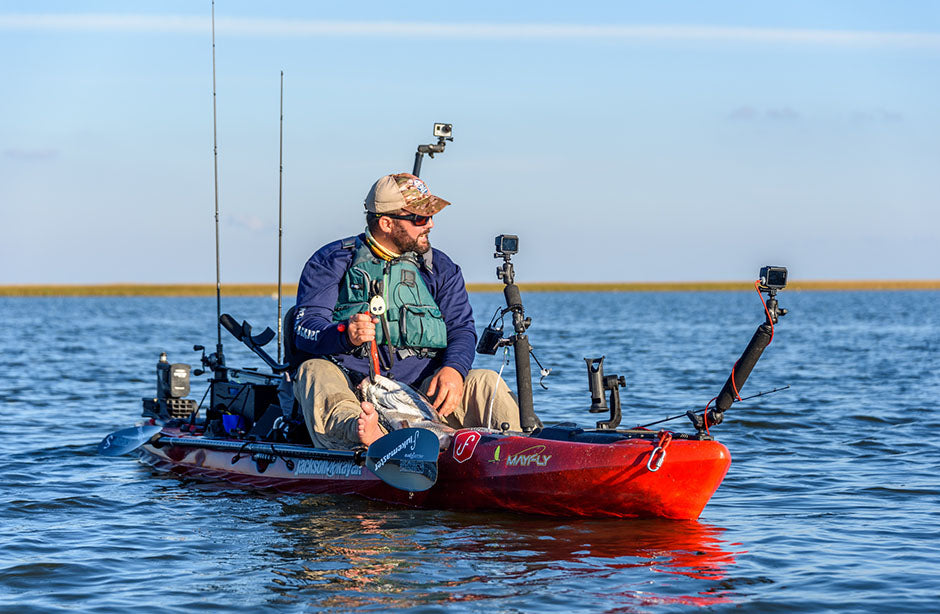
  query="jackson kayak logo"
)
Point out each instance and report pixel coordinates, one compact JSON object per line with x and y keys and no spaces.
{"x":327,"y":468}
{"x":527,"y":457}
{"x":464,"y":444}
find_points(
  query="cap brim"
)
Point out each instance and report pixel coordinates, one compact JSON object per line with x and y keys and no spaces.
{"x":427,"y":206}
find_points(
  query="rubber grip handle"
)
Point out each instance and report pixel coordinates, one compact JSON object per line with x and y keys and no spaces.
{"x":231,"y":325}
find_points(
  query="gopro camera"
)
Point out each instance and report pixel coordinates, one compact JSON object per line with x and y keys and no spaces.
{"x":509,"y":244}
{"x":773,"y":277}
{"x":444,"y":130}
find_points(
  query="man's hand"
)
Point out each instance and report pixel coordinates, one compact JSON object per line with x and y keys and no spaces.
{"x":361,"y":328}
{"x":446,"y":388}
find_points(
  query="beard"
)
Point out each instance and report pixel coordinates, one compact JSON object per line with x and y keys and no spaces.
{"x":404,"y":243}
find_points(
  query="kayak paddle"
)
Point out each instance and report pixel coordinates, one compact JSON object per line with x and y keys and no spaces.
{"x":127,"y":440}
{"x":405,"y":459}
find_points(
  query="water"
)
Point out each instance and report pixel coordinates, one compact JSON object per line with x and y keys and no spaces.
{"x":831,"y":503}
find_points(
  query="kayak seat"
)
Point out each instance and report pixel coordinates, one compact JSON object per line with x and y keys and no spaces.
{"x":296,"y":431}
{"x":289,"y":337}
{"x":292,"y":356}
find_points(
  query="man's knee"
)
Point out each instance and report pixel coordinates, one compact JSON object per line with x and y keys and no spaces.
{"x":319,"y":369}
{"x":321,"y":384}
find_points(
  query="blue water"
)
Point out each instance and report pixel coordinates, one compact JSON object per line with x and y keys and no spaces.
{"x":832,"y":502}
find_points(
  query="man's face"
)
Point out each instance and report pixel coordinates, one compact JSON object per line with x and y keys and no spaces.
{"x":410,"y":238}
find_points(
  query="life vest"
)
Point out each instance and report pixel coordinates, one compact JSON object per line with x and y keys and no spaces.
{"x":412,"y":318}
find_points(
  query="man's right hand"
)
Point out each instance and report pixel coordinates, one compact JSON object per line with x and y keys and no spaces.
{"x":361,"y":328}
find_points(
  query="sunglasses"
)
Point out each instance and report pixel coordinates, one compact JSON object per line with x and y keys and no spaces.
{"x":414,"y":218}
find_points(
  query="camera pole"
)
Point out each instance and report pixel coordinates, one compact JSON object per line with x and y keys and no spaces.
{"x":520,"y":342}
{"x":743,"y":367}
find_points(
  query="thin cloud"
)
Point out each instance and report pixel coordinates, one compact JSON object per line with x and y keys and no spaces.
{"x":251,"y":223}
{"x":879,"y":115}
{"x":783,"y":114}
{"x":31,"y":154}
{"x":743,"y":113}
{"x":468,"y":31}
{"x":749,"y":113}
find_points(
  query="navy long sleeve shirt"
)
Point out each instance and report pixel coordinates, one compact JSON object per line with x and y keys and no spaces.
{"x":317,"y":335}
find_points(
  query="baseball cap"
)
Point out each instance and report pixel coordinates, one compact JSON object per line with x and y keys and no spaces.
{"x":402,"y":191}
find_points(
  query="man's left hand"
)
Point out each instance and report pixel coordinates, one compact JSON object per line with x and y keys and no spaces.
{"x":446,"y":388}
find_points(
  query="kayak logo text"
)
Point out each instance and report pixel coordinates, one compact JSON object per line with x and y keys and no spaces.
{"x":464,"y":444}
{"x":529,"y":456}
{"x":327,"y":468}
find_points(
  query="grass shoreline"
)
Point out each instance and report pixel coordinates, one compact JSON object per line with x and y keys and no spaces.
{"x":290,"y":290}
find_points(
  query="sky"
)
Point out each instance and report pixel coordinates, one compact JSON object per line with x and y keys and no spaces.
{"x":621,"y":141}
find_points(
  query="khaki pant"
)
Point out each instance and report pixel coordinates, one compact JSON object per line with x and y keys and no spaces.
{"x":331,"y":407}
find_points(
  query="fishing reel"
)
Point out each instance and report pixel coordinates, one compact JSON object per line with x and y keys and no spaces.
{"x":492,"y":338}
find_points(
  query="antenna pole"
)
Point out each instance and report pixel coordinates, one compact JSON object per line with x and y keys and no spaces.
{"x":280,"y":219}
{"x":215,"y":160}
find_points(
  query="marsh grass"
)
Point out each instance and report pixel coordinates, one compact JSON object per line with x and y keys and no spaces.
{"x":291,"y":290}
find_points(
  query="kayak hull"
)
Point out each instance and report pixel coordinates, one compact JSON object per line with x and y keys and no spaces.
{"x":479,"y":471}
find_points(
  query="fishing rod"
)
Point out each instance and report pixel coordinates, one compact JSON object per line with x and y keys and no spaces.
{"x":215,"y":161}
{"x":753,"y":396}
{"x":280,"y":219}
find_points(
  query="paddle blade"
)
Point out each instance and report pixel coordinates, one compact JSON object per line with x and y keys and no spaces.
{"x":127,"y":440}
{"x":405,"y":459}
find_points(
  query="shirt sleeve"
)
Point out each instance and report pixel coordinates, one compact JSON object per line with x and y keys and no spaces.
{"x":317,"y":292}
{"x":451,"y":296}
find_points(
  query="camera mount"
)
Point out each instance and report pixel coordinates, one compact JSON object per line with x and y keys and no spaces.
{"x":772,"y":279}
{"x":506,"y":246}
{"x":444,"y":133}
{"x":598,"y":384}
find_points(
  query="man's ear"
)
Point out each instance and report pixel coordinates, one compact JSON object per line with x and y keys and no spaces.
{"x":385,"y":224}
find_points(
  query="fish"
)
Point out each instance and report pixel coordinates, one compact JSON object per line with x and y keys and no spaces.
{"x":401,"y":406}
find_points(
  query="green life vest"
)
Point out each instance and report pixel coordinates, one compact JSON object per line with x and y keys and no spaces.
{"x":412,"y":317}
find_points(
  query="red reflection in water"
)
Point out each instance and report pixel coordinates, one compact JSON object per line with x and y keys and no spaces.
{"x":378,"y":553}
{"x":686,"y":548}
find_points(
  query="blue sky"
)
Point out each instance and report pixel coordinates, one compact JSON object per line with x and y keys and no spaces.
{"x":622,"y":141}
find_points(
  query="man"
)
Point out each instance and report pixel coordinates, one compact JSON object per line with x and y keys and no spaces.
{"x":423,"y":323}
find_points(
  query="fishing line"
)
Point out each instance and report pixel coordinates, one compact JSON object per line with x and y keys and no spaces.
{"x":499,"y":376}
{"x":753,"y":396}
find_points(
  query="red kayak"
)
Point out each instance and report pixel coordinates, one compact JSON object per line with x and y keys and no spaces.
{"x":633,"y":474}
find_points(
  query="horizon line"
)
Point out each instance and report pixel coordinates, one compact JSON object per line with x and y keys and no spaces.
{"x":249,"y":26}
{"x":270,"y":289}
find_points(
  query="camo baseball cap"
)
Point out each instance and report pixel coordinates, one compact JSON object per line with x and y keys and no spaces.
{"x":402,"y":191}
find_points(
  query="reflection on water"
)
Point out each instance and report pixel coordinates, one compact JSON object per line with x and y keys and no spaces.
{"x":405,"y":558}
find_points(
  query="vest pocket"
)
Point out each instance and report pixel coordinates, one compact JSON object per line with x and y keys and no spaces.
{"x":422,"y":326}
